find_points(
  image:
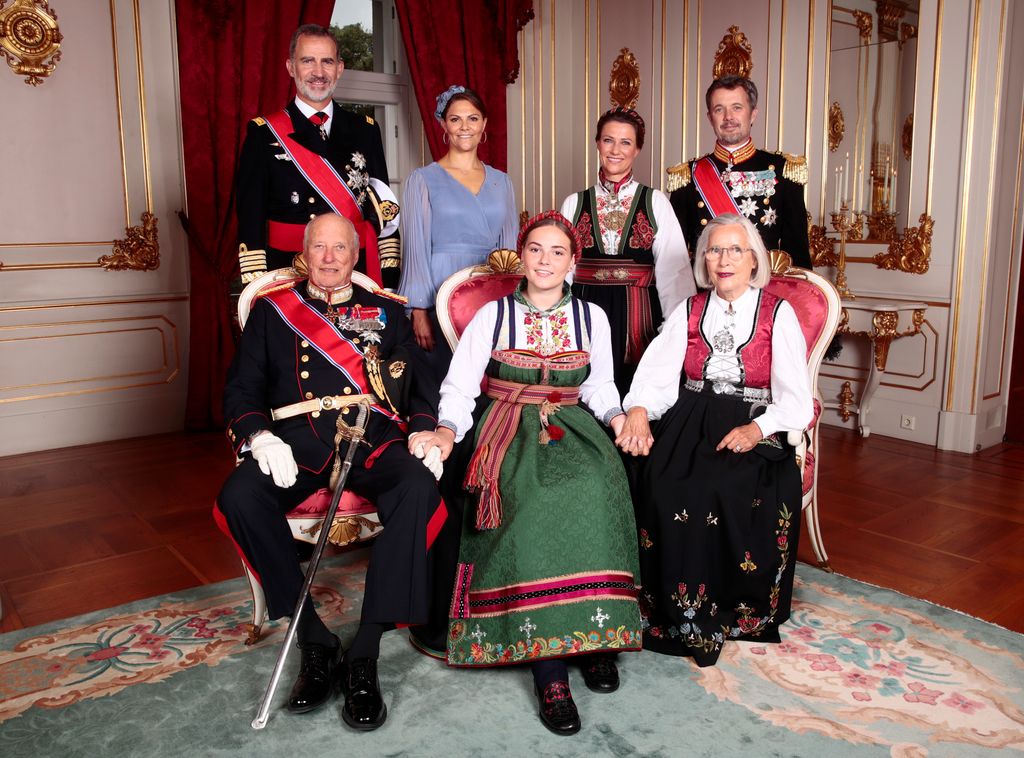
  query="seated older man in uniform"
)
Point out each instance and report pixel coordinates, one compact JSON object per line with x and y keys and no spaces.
{"x":326,"y":339}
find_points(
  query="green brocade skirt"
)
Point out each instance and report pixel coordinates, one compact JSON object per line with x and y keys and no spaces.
{"x":558,"y":576}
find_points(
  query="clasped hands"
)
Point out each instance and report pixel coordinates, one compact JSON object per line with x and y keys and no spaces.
{"x":635,"y":438}
{"x":433,"y":448}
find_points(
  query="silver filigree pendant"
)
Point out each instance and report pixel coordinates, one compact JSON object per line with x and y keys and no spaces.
{"x":723,"y":341}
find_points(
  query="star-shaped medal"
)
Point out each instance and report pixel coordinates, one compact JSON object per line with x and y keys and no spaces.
{"x":748,"y":207}
{"x":769,"y":217}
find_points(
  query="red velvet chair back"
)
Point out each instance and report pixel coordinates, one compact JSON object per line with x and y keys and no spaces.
{"x":466,"y":291}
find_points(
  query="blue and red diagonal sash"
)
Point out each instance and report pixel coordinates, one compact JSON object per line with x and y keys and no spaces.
{"x":319,"y":172}
{"x":712,"y":189}
{"x":339,"y":350}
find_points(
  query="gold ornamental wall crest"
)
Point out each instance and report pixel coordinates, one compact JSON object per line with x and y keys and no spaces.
{"x":836,"y":126}
{"x":733,"y":56}
{"x":913,"y":251}
{"x":624,"y":83}
{"x":29,"y":39}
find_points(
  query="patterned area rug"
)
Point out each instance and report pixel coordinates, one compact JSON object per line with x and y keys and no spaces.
{"x":860,"y":671}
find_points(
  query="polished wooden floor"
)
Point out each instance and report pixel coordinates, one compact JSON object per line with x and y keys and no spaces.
{"x":90,"y":527}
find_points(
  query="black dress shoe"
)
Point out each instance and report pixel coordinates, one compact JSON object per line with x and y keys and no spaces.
{"x":364,"y":707}
{"x":600,"y":673}
{"x":315,"y":683}
{"x":557,"y":709}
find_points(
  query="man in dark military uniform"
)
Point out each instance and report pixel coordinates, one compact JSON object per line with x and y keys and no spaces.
{"x":305,"y":353}
{"x":312,"y":158}
{"x":765,"y":187}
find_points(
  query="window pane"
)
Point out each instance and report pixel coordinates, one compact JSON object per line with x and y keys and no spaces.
{"x":358,"y":26}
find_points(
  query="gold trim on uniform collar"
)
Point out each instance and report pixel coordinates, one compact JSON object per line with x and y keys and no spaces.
{"x":735,"y":157}
{"x":333,"y":297}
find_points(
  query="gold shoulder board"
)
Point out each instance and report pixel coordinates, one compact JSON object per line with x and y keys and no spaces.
{"x":393,"y":296}
{"x":795,"y":169}
{"x":678,"y":176}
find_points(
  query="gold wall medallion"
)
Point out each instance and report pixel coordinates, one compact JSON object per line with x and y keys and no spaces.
{"x":138,"y":251}
{"x":907,"y":140}
{"x":836,"y":126}
{"x":733,"y":55}
{"x":912,"y":251}
{"x":29,"y":39}
{"x":624,"y":83}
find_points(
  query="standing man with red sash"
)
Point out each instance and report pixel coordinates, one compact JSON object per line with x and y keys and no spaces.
{"x":305,"y":353}
{"x":310,"y":158}
{"x":766,"y":188}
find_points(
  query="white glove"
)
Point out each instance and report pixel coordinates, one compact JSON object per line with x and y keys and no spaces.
{"x":431,"y":460}
{"x":275,"y":458}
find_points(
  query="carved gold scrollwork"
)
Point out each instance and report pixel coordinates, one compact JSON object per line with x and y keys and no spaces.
{"x":911,"y":252}
{"x":624,"y":83}
{"x":822,"y":247}
{"x":29,"y":39}
{"x":890,"y":13}
{"x":733,"y":55}
{"x":836,"y":126}
{"x":501,"y":261}
{"x":138,"y":251}
{"x":907,"y":32}
{"x":907,"y":138}
{"x":864,"y":25}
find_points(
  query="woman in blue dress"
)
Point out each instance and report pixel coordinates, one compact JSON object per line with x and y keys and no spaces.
{"x":455,"y":211}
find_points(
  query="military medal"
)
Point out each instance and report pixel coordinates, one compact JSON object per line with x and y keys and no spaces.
{"x":295,"y":198}
{"x":769,"y":217}
{"x":748,"y":207}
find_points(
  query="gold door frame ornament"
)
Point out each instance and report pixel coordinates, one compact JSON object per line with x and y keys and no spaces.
{"x":836,"y":126}
{"x":624,"y":82}
{"x":822,"y":248}
{"x":733,"y":55}
{"x":907,"y":138}
{"x":30,"y":39}
{"x":138,"y":251}
{"x":912,"y":251}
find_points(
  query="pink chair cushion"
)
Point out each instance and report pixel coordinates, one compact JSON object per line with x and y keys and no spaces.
{"x":316,"y":505}
{"x":808,"y":481}
{"x":807,"y":301}
{"x":471,"y":295}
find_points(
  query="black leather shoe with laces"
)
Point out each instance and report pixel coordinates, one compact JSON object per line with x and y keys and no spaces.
{"x":364,"y":707}
{"x":600,"y":673}
{"x":557,"y":709}
{"x":315,"y":683}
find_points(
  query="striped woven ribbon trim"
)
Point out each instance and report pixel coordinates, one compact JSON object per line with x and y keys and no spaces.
{"x":637,"y":277}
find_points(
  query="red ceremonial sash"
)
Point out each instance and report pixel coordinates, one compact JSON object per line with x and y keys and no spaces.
{"x":709,"y":184}
{"x":310,"y":324}
{"x":319,"y":172}
{"x":637,"y":277}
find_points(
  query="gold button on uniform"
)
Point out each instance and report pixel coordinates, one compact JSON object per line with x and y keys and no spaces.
{"x":309,"y":395}
{"x":348,"y":390}
{"x":355,"y":341}
{"x":312,"y":200}
{"x":304,"y":375}
{"x":703,"y":222}
{"x":315,"y":414}
{"x":700,"y":203}
{"x":304,"y":343}
{"x":305,"y":359}
{"x":312,"y":216}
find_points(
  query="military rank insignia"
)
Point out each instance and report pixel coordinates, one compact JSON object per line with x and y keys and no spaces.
{"x":368,"y":321}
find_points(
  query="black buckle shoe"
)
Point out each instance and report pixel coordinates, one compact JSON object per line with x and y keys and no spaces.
{"x":315,"y":683}
{"x":557,"y":709}
{"x":364,"y":707}
{"x":600,"y":673}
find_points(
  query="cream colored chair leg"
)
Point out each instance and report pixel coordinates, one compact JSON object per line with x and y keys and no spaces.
{"x":811,"y":516}
{"x":259,"y":608}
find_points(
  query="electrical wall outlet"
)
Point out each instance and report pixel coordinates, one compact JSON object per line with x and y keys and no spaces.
{"x":908,"y":422}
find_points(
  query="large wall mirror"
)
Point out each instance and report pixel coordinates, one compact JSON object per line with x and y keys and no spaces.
{"x":872,"y":67}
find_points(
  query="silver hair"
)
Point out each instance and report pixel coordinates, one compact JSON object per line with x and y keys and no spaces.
{"x":762,"y":273}
{"x":354,"y":235}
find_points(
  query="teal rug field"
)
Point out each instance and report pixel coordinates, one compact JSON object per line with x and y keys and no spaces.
{"x":861,"y":671}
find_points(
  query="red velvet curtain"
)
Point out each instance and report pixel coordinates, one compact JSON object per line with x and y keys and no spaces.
{"x":231,"y":56}
{"x":464,"y":42}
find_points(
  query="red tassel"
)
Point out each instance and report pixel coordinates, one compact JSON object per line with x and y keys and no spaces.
{"x":488,"y":510}
{"x":475,"y":475}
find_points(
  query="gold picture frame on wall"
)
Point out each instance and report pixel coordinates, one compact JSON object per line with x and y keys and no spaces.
{"x":30,"y":39}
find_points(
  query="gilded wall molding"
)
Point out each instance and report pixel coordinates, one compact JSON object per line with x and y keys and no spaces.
{"x":30,"y":39}
{"x":822,"y":247}
{"x":836,"y":126}
{"x":733,"y":55}
{"x":138,"y":251}
{"x":624,"y":82}
{"x":912,"y":251}
{"x":864,"y":26}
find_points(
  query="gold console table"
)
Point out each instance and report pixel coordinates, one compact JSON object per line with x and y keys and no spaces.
{"x":880,"y":322}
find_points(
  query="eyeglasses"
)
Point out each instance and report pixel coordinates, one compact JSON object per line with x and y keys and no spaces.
{"x":733,"y":253}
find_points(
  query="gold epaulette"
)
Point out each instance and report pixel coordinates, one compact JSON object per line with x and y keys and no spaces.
{"x":370,"y":121}
{"x":795,"y":169}
{"x":678,"y":175}
{"x":259,"y":121}
{"x":251,"y":263}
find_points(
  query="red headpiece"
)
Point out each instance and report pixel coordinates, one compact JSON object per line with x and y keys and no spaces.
{"x":534,"y":222}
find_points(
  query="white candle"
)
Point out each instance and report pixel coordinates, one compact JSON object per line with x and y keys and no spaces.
{"x":894,"y":177}
{"x":846,"y":179}
{"x":835,"y":199}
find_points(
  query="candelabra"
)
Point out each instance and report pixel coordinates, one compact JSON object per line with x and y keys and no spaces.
{"x":843,"y":222}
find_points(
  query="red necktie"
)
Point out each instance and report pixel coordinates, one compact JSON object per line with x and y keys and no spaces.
{"x":320,"y":119}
